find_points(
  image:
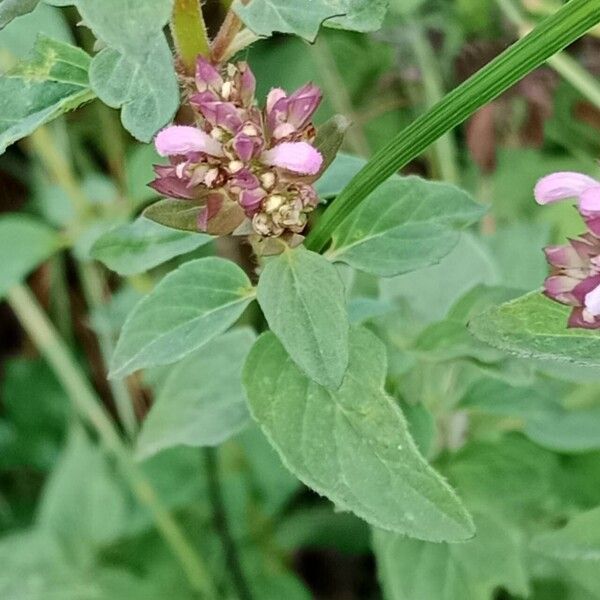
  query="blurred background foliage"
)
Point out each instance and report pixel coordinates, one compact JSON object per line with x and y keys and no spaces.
{"x":519,"y":439}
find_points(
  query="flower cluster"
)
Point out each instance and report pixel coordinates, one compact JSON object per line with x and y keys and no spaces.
{"x":575,"y":276}
{"x":254,"y":166}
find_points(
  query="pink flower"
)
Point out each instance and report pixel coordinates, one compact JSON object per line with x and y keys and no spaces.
{"x":567,"y":184}
{"x":261,"y":162}
{"x":181,"y":140}
{"x":298,"y":157}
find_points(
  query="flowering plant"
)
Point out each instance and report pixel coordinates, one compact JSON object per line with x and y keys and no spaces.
{"x":245,"y":268}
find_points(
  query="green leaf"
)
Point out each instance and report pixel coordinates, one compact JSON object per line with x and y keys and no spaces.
{"x":125,"y":25}
{"x":578,"y":540}
{"x":52,"y":82}
{"x":83,"y":504}
{"x":563,"y":430}
{"x":303,"y":299}
{"x":352,"y":445}
{"x":177,"y":214}
{"x":145,"y":87}
{"x":265,"y":17}
{"x":338,"y":175}
{"x":473,"y":570}
{"x":535,"y":326}
{"x":142,"y":245}
{"x":202,"y":402}
{"x":25,"y":242}
{"x":552,"y":35}
{"x":136,"y":70}
{"x":11,"y":9}
{"x":188,"y":308}
{"x":404,"y":225}
{"x":34,"y":568}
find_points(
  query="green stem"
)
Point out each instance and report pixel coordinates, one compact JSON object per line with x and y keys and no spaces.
{"x":566,"y":66}
{"x":189,"y":32}
{"x":220,"y":520}
{"x":444,"y":148}
{"x":42,"y":332}
{"x":94,"y":286}
{"x":552,"y":35}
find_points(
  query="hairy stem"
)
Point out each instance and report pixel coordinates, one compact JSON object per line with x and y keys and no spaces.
{"x":189,"y":33}
{"x":552,"y":35}
{"x":86,"y":403}
{"x":222,"y":527}
{"x":232,"y":25}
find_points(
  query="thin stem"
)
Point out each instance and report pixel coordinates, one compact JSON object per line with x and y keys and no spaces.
{"x":189,"y":32}
{"x":94,"y":287}
{"x":444,"y":148}
{"x":554,"y":34}
{"x":221,"y":525}
{"x":566,"y":66}
{"x":58,"y":166}
{"x":337,"y":93}
{"x":45,"y":337}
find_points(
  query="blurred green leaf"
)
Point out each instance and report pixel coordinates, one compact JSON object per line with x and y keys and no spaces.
{"x":472,"y":570}
{"x":302,"y":297}
{"x":352,"y":445}
{"x":322,"y":527}
{"x":535,"y":326}
{"x":34,"y":568}
{"x":404,"y":225}
{"x":188,"y":308}
{"x":178,"y":214}
{"x":36,"y":409}
{"x":579,"y":539}
{"x":142,"y":245}
{"x":11,"y":9}
{"x":53,"y":81}
{"x":266,"y":17}
{"x":468,"y":265}
{"x":17,"y":40}
{"x":338,"y":175}
{"x":202,"y":401}
{"x":24,"y":243}
{"x":83,"y":504}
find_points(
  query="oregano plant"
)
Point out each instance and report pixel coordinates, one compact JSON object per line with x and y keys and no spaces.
{"x":278,"y":299}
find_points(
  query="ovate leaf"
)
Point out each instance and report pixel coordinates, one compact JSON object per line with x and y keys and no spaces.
{"x":144,"y":86}
{"x":202,"y":402}
{"x":415,"y":570}
{"x":11,"y":9}
{"x":303,"y":299}
{"x":188,"y":308}
{"x":404,"y":225}
{"x":24,"y":243}
{"x":352,"y":445}
{"x":142,"y":245}
{"x":128,"y":26}
{"x":535,"y":326}
{"x":52,"y":82}
{"x":266,"y":17}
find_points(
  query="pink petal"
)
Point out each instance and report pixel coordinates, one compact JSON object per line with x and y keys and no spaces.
{"x":273,"y":97}
{"x":589,"y":203}
{"x":562,"y":185}
{"x":581,"y":318}
{"x":177,"y":140}
{"x":592,"y":302}
{"x":299,"y":157}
